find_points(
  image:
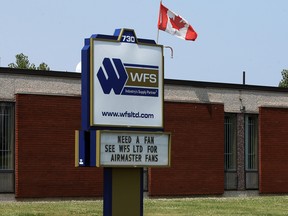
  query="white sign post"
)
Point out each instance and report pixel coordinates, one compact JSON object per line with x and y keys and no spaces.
{"x":122,"y":99}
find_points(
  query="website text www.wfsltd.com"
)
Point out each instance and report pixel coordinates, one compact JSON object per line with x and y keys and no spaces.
{"x":128,"y":114}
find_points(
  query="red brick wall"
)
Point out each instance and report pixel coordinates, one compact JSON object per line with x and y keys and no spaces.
{"x":273,"y":148}
{"x":44,"y":151}
{"x":197,"y":157}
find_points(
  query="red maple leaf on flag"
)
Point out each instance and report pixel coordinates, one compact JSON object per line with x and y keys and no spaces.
{"x":177,"y":22}
{"x":174,"y":24}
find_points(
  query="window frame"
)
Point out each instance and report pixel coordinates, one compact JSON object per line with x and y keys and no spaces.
{"x":230,"y":149}
{"x":7,"y":141}
{"x":251,"y":143}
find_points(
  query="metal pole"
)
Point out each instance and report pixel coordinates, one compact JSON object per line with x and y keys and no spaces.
{"x":157,"y":36}
{"x":171,"y":49}
{"x":157,"y":24}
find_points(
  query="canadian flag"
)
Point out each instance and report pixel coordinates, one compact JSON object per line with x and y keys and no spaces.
{"x":174,"y":24}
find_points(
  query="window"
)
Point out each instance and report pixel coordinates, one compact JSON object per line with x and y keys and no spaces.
{"x":251,"y":151}
{"x":251,"y":143}
{"x":230,"y":152}
{"x":6,"y":136}
{"x":6,"y":147}
{"x":230,"y":142}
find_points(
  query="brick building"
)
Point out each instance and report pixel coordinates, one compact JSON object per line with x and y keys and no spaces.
{"x":224,"y":137}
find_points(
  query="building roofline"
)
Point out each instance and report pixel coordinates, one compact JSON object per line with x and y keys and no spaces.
{"x":200,"y":84}
{"x":6,"y":70}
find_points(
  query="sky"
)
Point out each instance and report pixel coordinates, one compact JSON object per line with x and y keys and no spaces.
{"x":233,"y":36}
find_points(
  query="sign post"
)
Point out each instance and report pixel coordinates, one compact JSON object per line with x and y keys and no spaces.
{"x":122,"y":116}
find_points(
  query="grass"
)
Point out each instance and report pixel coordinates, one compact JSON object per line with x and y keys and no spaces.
{"x":268,"y":205}
{"x":265,"y":205}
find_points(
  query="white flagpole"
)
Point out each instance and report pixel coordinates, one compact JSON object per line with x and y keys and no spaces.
{"x":157,"y":36}
{"x":157,"y":26}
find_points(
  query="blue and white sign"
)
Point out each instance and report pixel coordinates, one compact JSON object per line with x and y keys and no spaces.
{"x":127,"y":82}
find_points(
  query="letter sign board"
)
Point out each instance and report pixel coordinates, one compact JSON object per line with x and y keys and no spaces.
{"x":132,"y":149}
{"x":126,"y":82}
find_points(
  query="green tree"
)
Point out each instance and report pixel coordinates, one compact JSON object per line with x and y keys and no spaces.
{"x":22,"y":62}
{"x":284,"y":81}
{"x":43,"y":66}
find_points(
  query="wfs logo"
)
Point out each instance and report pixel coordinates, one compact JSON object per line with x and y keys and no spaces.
{"x":128,"y":79}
